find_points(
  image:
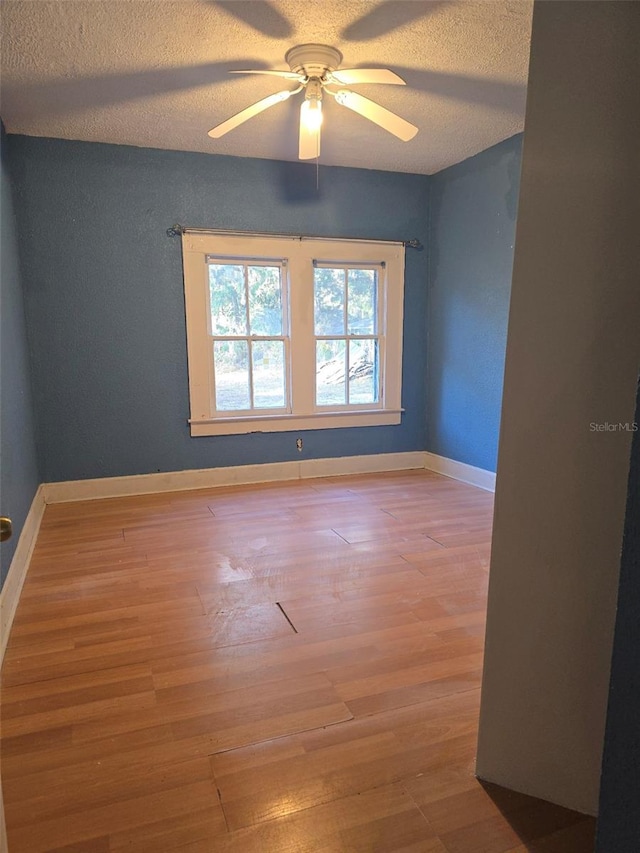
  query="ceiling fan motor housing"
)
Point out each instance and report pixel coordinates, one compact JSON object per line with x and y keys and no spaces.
{"x":313,"y":60}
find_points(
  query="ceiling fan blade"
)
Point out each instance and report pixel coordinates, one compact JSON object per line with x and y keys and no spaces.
{"x":349,"y":76}
{"x":309,"y":145}
{"x":379,"y":115}
{"x":288,"y":75}
{"x":239,"y":118}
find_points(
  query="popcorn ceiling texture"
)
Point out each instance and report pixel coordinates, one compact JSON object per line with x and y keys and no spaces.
{"x":155,"y":74}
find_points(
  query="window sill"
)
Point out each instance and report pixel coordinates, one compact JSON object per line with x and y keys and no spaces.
{"x":291,"y":423}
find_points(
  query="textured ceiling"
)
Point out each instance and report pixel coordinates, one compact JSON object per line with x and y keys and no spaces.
{"x":155,"y":73}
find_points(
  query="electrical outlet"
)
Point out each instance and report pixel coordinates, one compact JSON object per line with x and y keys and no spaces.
{"x":299,"y":445}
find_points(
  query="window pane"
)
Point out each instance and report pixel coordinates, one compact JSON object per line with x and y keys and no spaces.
{"x":268,"y":374}
{"x":362,"y":302}
{"x":363,"y":371}
{"x":328,"y":285}
{"x":228,"y":305}
{"x":331,"y":368}
{"x":265,"y":301}
{"x":231,"y":365}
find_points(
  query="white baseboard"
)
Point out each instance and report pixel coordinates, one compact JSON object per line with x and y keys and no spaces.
{"x":460,"y":471}
{"x":374,"y":464}
{"x":10,"y":594}
{"x":206,"y":478}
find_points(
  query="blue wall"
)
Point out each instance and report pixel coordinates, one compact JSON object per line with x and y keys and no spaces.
{"x":473,"y":215}
{"x":104,"y":295}
{"x":19,"y":474}
{"x":105,"y":312}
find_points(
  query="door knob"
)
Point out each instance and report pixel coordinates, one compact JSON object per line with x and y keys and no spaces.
{"x":6,"y":528}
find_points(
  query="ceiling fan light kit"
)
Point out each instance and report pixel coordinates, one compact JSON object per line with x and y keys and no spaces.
{"x":316,"y":68}
{"x":313,"y":60}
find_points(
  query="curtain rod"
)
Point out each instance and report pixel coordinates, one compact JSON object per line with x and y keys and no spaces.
{"x":179,"y":230}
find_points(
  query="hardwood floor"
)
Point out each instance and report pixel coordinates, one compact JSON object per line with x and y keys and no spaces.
{"x":267,"y":669}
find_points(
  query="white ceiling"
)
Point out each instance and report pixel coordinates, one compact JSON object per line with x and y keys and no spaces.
{"x":155,"y":73}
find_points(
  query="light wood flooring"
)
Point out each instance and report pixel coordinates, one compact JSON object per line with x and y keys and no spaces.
{"x":267,"y":669}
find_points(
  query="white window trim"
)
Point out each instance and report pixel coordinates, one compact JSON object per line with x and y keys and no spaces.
{"x":299,"y":254}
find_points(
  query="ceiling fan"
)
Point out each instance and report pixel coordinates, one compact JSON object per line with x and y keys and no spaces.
{"x":316,"y":69}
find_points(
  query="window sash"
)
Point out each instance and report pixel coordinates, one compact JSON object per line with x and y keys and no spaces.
{"x":253,"y":410}
{"x":378,"y":336}
{"x":246,"y":263}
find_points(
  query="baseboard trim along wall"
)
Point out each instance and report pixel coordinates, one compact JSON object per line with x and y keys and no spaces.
{"x":10,"y":594}
{"x":460,"y":471}
{"x":207,"y":478}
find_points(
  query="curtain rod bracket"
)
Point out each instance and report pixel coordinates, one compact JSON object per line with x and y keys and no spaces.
{"x":178,"y":230}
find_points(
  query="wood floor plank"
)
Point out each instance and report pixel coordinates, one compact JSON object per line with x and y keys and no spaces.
{"x":150,"y":745}
{"x":231,"y":724}
{"x":329,"y":775}
{"x":278,"y":667}
{"x":19,"y":747}
{"x":75,"y":715}
{"x":85,"y":787}
{"x":577,"y":838}
{"x":414,"y":694}
{"x":308,"y":585}
{"x":175,"y":833}
{"x":343,"y":760}
{"x":89,"y":845}
{"x":246,"y":624}
{"x":40,"y":837}
{"x":235,"y":667}
{"x":384,"y":820}
{"x":73,"y":690}
{"x":409,"y":676}
{"x":483,"y":817}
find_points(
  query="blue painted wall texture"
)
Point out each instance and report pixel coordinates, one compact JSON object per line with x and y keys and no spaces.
{"x":104,"y":295}
{"x":105,"y":313}
{"x":473,"y":216}
{"x":19,"y":475}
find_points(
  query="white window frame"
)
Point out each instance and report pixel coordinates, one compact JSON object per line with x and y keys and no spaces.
{"x":298,"y":255}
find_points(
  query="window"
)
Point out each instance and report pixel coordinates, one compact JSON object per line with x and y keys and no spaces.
{"x":346,"y":324}
{"x":288,"y":333}
{"x":248,"y":336}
